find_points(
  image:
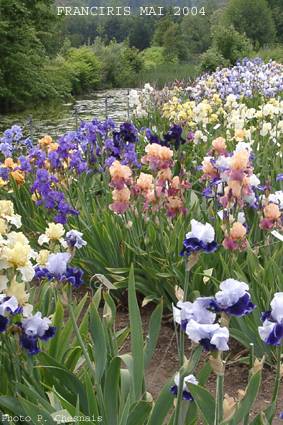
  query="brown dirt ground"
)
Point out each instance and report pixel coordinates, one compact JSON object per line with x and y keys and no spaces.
{"x":165,"y":364}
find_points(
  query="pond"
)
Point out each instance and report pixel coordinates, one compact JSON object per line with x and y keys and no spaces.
{"x":58,"y":119}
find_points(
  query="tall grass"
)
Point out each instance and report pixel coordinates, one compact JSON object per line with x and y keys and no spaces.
{"x":167,"y":73}
{"x":275,"y":53}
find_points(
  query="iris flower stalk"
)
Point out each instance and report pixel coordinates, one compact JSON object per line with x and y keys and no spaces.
{"x":251,"y":364}
{"x":82,"y":344}
{"x":219,"y":391}
{"x":187,"y":368}
{"x":277,"y":377}
{"x":77,"y":332}
{"x":182,"y":347}
{"x":185,"y":296}
{"x":182,"y":341}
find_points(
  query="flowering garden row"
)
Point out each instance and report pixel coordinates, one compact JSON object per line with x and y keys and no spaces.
{"x":183,"y":205}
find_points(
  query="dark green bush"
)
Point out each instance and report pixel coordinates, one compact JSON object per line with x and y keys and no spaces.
{"x":231,"y":44}
{"x":120,"y":64}
{"x":212,"y":59}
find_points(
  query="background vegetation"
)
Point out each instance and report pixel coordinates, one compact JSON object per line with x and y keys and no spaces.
{"x":45,"y":57}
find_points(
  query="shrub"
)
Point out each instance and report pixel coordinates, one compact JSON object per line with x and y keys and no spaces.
{"x":60,"y":77}
{"x":211,"y":59}
{"x":120,"y":64}
{"x":85,"y":69}
{"x":153,"y":56}
{"x":231,"y":44}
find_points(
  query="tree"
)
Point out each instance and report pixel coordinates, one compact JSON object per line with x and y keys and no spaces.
{"x":252,"y":17}
{"x":24,"y":50}
{"x":174,"y":44}
{"x":196,"y":32}
{"x":160,"y":29}
{"x":153,"y":56}
{"x":116,"y":28}
{"x":277,"y":13}
{"x":141,"y":33}
{"x":168,"y":34}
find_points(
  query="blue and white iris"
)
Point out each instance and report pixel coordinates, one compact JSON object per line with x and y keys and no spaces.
{"x":199,"y":319}
{"x":200,"y":238}
{"x":233,"y":298}
{"x":211,"y":336}
{"x":35,"y":328}
{"x":190,"y":379}
{"x":57,"y":268}
{"x":8,"y":305}
{"x":74,"y":239}
{"x":198,"y":311}
{"x":271,"y":331}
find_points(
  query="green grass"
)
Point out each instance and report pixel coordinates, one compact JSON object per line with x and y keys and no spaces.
{"x":275,"y":53}
{"x":168,"y":73}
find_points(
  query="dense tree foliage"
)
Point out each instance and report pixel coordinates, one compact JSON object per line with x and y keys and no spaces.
{"x":254,"y":18}
{"x":277,"y":13}
{"x":27,"y":34}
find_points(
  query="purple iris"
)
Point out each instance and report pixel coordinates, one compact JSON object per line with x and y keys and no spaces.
{"x":4,"y":173}
{"x":174,"y":136}
{"x":122,"y":146}
{"x":25,"y":164}
{"x":42,"y":273}
{"x":3,"y":323}
{"x":45,"y":186}
{"x":74,"y":276}
{"x":207,"y":192}
{"x":152,"y":138}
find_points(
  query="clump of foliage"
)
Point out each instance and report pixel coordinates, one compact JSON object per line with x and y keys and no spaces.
{"x":211,"y":59}
{"x":231,"y":44}
{"x":153,"y":56}
{"x":84,"y":69}
{"x":120,"y":63}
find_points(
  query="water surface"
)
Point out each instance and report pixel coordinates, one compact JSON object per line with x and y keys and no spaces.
{"x":58,"y":119}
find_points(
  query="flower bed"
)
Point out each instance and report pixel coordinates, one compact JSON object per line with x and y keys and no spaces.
{"x":181,"y":208}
